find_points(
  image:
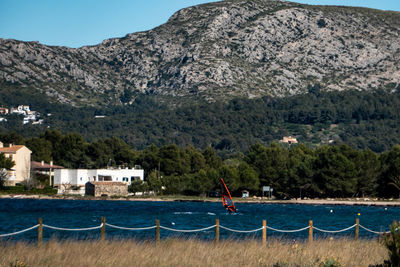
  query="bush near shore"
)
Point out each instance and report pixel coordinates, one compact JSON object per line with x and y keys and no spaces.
{"x":20,"y":189}
{"x":178,"y":252}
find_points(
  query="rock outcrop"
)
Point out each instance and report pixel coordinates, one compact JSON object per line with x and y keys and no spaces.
{"x":247,"y":48}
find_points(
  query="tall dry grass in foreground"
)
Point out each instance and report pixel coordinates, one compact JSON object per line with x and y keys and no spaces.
{"x":175,"y":252}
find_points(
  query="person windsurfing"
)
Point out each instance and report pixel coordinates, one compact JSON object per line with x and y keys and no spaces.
{"x":226,"y":198}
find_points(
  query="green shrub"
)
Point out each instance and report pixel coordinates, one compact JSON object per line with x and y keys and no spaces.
{"x":330,"y":262}
{"x":392,"y":242}
{"x":20,"y":189}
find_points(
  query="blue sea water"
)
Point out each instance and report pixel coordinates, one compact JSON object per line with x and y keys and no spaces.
{"x":19,"y":214}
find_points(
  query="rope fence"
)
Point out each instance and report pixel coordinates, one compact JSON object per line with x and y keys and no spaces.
{"x":217,"y":227}
{"x":73,"y":229}
{"x":374,"y":232}
{"x":335,"y":231}
{"x":130,"y":229}
{"x":20,"y":232}
{"x":241,"y":231}
{"x":188,"y":231}
{"x":288,"y":231}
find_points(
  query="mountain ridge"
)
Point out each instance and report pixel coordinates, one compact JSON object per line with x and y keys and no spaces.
{"x":219,"y":50}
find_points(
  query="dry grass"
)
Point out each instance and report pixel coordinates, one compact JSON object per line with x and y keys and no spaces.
{"x":175,"y":252}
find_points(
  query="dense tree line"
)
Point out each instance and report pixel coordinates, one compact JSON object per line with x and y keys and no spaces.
{"x":296,"y":171}
{"x":360,"y":119}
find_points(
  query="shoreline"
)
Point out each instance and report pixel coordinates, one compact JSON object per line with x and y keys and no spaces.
{"x":335,"y":202}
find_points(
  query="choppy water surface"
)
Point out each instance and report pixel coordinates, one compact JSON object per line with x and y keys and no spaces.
{"x":18,"y":214}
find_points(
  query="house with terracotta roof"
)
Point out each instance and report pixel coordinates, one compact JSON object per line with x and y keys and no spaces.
{"x":3,"y":111}
{"x":45,"y":168}
{"x":21,"y":156}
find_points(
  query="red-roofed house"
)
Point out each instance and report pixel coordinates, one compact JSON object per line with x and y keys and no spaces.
{"x":21,"y":156}
{"x":4,"y":111}
{"x":45,"y":168}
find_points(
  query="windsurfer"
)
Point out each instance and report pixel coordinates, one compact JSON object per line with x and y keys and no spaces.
{"x":231,"y":210}
{"x":226,"y":198}
{"x":227,"y":208}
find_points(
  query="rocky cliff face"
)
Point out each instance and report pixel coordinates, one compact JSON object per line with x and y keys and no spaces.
{"x":220,"y":50}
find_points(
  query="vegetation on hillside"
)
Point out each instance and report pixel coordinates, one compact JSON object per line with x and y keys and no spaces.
{"x":363,"y":120}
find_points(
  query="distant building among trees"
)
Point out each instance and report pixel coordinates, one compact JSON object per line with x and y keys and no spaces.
{"x":288,"y":140}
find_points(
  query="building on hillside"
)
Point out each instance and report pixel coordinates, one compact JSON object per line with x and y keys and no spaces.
{"x":4,"y":111}
{"x":21,"y":156}
{"x":99,"y":189}
{"x":66,"y":179}
{"x":21,"y":109}
{"x":28,"y":118}
{"x":45,"y":168}
{"x":288,"y":140}
{"x":24,"y":107}
{"x":37,"y":122}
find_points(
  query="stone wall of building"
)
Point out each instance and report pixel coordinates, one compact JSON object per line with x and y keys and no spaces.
{"x":99,"y":189}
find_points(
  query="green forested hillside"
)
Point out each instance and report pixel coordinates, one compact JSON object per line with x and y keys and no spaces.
{"x":358,"y":119}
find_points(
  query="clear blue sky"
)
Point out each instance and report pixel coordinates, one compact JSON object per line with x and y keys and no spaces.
{"x":75,"y":23}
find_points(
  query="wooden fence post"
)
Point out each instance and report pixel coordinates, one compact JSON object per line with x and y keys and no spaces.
{"x":103,"y":229}
{"x":310,"y":231}
{"x":40,"y":231}
{"x":264,"y":232}
{"x":357,"y":229}
{"x":157,"y":232}
{"x":216,"y":231}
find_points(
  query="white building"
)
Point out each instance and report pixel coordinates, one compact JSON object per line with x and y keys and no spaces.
{"x":21,"y":109}
{"x":37,"y":122}
{"x":79,"y":177}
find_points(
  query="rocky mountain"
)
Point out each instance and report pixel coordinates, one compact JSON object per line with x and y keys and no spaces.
{"x":246,"y":48}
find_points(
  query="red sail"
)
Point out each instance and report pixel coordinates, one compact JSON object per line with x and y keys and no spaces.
{"x":226,"y":198}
